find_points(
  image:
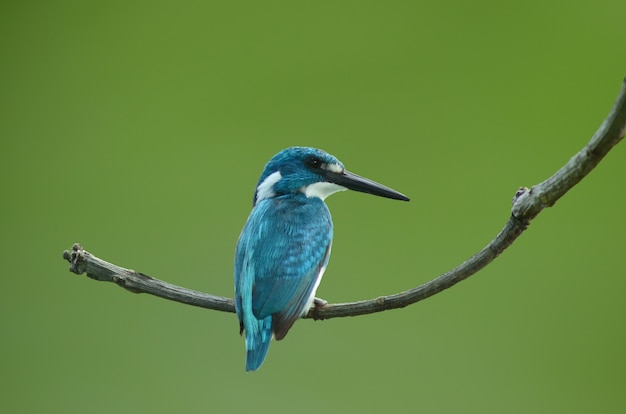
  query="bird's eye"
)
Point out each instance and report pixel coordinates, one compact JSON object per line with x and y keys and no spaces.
{"x":314,"y":162}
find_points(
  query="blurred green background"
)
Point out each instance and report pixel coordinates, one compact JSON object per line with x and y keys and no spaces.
{"x":140,"y":128}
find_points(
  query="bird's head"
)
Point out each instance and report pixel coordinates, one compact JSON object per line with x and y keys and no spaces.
{"x":314,"y":173}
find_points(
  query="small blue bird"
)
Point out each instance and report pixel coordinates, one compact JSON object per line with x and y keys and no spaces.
{"x":284,"y":247}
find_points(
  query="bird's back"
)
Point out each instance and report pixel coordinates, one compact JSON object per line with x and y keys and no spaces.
{"x":280,"y":257}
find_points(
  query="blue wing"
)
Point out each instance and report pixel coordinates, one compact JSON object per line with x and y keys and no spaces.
{"x":281,"y":253}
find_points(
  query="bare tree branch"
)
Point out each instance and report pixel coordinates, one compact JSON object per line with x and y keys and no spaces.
{"x":82,"y":261}
{"x":527,"y":204}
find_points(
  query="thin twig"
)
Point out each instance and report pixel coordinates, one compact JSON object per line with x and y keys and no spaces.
{"x":82,"y":261}
{"x":527,"y":204}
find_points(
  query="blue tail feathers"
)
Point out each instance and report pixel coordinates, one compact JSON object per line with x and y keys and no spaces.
{"x":258,"y":337}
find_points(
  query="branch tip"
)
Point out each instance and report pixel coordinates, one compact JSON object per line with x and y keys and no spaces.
{"x":75,"y":258}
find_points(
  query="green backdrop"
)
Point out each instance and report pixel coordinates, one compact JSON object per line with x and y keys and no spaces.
{"x":140,"y":128}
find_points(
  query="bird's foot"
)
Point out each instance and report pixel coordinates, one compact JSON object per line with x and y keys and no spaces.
{"x":319,"y":303}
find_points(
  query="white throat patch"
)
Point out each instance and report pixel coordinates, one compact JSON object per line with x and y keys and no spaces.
{"x":266,"y":188}
{"x":321,"y":190}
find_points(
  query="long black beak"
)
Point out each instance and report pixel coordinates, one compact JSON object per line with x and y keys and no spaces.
{"x":357,"y":183}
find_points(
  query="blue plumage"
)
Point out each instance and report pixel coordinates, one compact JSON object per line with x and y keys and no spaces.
{"x":285,"y":245}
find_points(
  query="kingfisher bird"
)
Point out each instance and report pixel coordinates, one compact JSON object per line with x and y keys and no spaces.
{"x":284,"y":246}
